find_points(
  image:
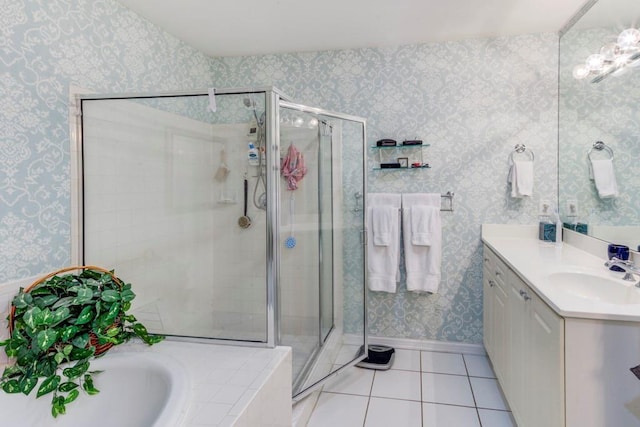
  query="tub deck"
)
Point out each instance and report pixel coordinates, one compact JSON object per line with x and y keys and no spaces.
{"x":231,"y":385}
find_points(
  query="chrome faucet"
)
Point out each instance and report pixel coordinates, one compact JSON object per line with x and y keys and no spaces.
{"x":628,"y":266}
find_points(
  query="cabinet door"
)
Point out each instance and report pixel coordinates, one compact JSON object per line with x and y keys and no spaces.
{"x":488,"y":282}
{"x":515,"y":386}
{"x":500,"y":334}
{"x":487,"y":310}
{"x":546,"y":390}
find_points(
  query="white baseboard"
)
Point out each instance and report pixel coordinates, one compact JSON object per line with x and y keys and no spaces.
{"x":413,"y":344}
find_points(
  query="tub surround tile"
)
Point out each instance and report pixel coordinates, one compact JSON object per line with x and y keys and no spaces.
{"x":231,"y":396}
{"x":210,"y":414}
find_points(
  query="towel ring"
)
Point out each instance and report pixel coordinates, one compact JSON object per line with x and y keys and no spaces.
{"x":600,"y":146}
{"x":521,"y":148}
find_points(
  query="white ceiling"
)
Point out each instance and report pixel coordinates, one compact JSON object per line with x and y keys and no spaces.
{"x":251,"y":27}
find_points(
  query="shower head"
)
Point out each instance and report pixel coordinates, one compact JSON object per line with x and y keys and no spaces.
{"x":250,"y":103}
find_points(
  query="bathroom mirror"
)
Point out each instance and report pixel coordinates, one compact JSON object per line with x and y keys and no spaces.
{"x":600,"y":108}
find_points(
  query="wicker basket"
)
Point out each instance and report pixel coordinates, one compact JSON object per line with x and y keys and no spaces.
{"x":93,"y":339}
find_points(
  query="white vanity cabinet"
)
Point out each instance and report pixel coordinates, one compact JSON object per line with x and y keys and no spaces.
{"x":495,"y":315}
{"x":525,"y":342}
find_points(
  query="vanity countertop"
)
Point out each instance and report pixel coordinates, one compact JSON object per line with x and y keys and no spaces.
{"x":535,"y":261}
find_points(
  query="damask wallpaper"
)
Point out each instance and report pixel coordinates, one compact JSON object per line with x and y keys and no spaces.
{"x":473,"y":101}
{"x":46,"y":46}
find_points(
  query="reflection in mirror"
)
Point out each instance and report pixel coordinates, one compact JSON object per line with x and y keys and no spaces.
{"x":599,"y":120}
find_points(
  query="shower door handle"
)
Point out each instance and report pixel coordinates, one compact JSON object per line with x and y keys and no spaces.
{"x":363,"y":236}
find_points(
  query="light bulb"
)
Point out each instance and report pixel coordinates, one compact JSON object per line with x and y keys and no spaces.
{"x":595,"y":62}
{"x":621,"y":61}
{"x":629,"y":38}
{"x":298,"y":121}
{"x":580,"y":72}
{"x":313,"y":122}
{"x":609,"y":51}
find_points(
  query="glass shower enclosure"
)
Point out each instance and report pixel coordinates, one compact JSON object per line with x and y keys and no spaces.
{"x":236,"y":216}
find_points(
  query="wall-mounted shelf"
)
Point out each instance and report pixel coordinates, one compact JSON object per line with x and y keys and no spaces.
{"x":402,"y":169}
{"x":411,"y":154}
{"x":399,"y":147}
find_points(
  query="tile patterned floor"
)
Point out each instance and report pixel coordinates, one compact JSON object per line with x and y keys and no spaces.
{"x":422,"y":389}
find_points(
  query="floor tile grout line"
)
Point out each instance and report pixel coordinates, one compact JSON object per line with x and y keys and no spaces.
{"x":473,"y":394}
{"x":366,"y":412}
{"x":421,"y":392}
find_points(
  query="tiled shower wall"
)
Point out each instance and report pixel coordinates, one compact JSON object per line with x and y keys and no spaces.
{"x":472,"y":100}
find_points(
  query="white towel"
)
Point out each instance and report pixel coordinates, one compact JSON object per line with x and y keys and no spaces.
{"x":604,"y":177}
{"x":521,"y":178}
{"x":383,"y":261}
{"x":424,"y":221}
{"x":422,"y":263}
{"x":383,"y":220}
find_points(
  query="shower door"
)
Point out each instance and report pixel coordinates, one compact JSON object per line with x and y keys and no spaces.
{"x":321,"y":273}
{"x":164,"y":182}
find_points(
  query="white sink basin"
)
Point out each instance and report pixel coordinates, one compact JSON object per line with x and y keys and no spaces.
{"x":595,"y":287}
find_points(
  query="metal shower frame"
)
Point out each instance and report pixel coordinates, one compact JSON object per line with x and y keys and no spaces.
{"x":274,"y":98}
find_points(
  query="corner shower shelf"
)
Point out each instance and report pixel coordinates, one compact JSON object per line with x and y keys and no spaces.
{"x":410,"y":150}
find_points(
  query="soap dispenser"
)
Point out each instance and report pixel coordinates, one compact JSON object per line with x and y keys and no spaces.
{"x":546,"y":228}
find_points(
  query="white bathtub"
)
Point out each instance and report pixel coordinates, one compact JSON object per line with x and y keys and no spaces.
{"x":137,"y":389}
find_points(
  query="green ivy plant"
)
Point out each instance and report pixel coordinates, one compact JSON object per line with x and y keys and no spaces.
{"x":56,"y":328}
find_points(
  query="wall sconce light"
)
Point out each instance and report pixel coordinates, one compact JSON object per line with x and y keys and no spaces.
{"x":613,"y":59}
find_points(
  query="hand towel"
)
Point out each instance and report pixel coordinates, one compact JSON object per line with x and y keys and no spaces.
{"x":521,"y":178}
{"x":604,"y":177}
{"x":383,"y":219}
{"x":422,"y":263}
{"x":425,"y":220}
{"x":383,"y":261}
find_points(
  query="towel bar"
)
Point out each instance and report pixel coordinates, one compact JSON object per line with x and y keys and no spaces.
{"x":448,"y":195}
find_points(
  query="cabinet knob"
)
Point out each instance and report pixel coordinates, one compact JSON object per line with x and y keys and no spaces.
{"x":498,"y":273}
{"x":486,"y":260}
{"x":492,"y":283}
{"x":524,"y":295}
